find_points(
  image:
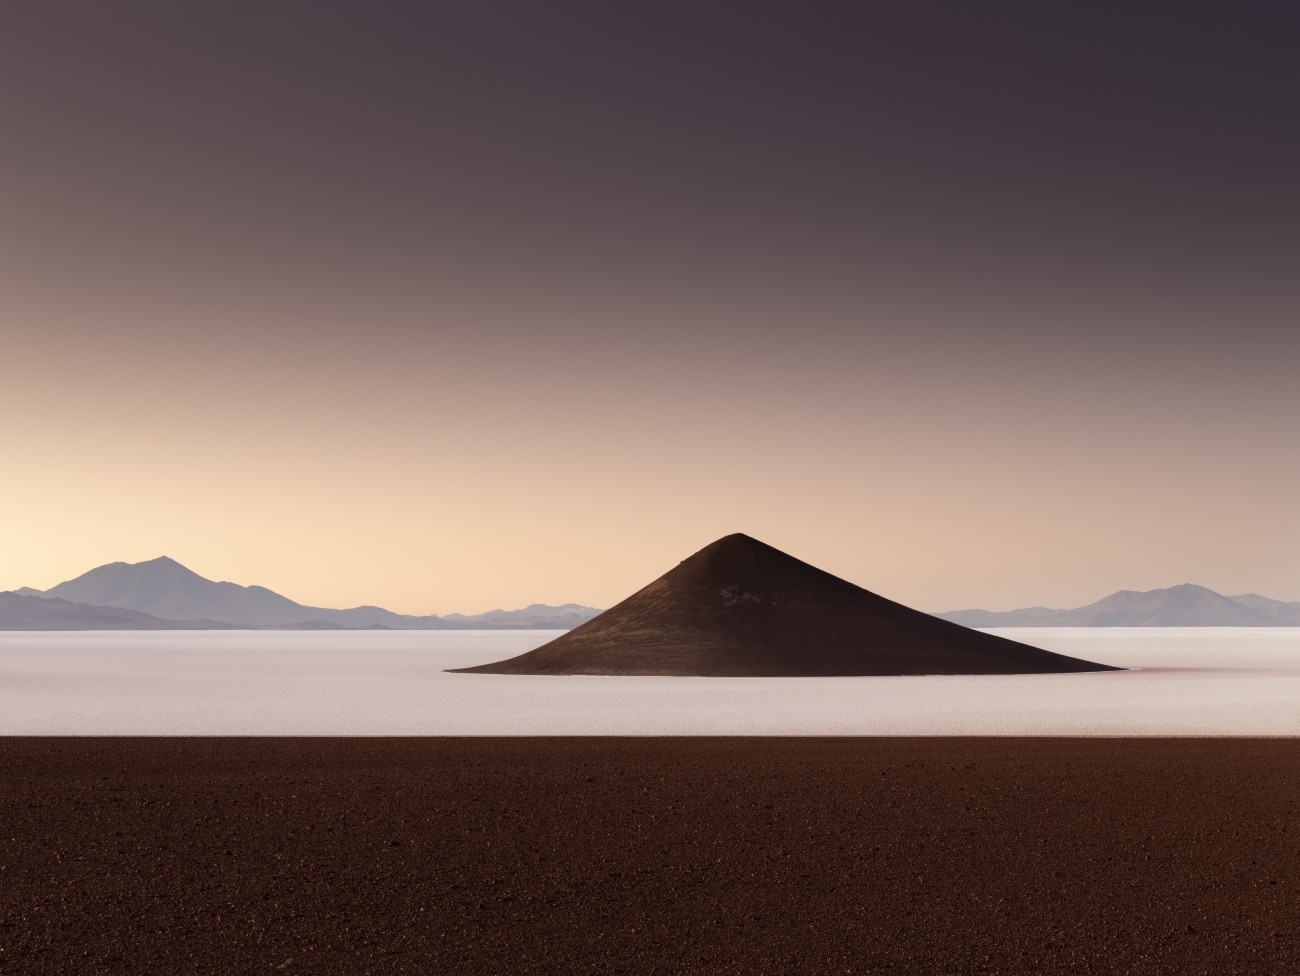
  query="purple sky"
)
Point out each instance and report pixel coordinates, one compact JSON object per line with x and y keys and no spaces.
{"x":461,"y":305}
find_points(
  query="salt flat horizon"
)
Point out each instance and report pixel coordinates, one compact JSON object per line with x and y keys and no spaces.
{"x":1181,"y":682}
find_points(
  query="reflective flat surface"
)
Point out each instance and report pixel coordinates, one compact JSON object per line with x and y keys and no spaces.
{"x":1187,"y":681}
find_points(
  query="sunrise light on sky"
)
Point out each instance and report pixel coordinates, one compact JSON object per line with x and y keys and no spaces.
{"x":447,"y":307}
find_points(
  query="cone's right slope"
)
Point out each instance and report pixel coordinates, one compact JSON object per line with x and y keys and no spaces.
{"x":741,"y":608}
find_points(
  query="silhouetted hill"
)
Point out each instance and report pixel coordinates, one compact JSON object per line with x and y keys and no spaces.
{"x":1287,"y":612}
{"x":164,"y":588}
{"x":1186,"y":605}
{"x":740,"y":607}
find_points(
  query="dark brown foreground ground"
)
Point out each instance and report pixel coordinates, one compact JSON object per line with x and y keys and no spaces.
{"x":506,"y":856}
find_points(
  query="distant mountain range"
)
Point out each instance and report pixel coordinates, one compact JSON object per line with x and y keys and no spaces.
{"x":163,"y":594}
{"x":1187,"y":605}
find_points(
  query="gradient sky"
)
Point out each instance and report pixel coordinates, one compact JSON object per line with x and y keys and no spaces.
{"x":452,"y":306}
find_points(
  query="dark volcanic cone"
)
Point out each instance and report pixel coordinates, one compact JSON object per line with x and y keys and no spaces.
{"x":741,"y":608}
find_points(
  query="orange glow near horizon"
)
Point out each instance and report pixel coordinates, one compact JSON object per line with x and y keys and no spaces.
{"x":577,"y":477}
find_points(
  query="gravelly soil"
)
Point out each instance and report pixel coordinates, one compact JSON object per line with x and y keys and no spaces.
{"x":925,"y":856}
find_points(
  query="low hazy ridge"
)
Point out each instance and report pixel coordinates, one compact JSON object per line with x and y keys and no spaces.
{"x":1187,"y":605}
{"x":163,"y":594}
{"x":21,"y":610}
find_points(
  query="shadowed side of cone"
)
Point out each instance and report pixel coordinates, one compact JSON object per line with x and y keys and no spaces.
{"x":741,"y":608}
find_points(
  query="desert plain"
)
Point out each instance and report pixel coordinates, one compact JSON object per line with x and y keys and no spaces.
{"x":177,"y":803}
{"x":638,"y":855}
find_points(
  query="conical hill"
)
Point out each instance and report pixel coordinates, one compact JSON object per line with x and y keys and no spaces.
{"x":741,"y":608}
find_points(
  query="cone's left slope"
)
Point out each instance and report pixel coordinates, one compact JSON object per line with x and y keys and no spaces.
{"x":741,"y":608}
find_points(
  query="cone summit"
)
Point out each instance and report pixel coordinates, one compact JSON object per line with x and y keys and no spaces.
{"x":741,"y":608}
